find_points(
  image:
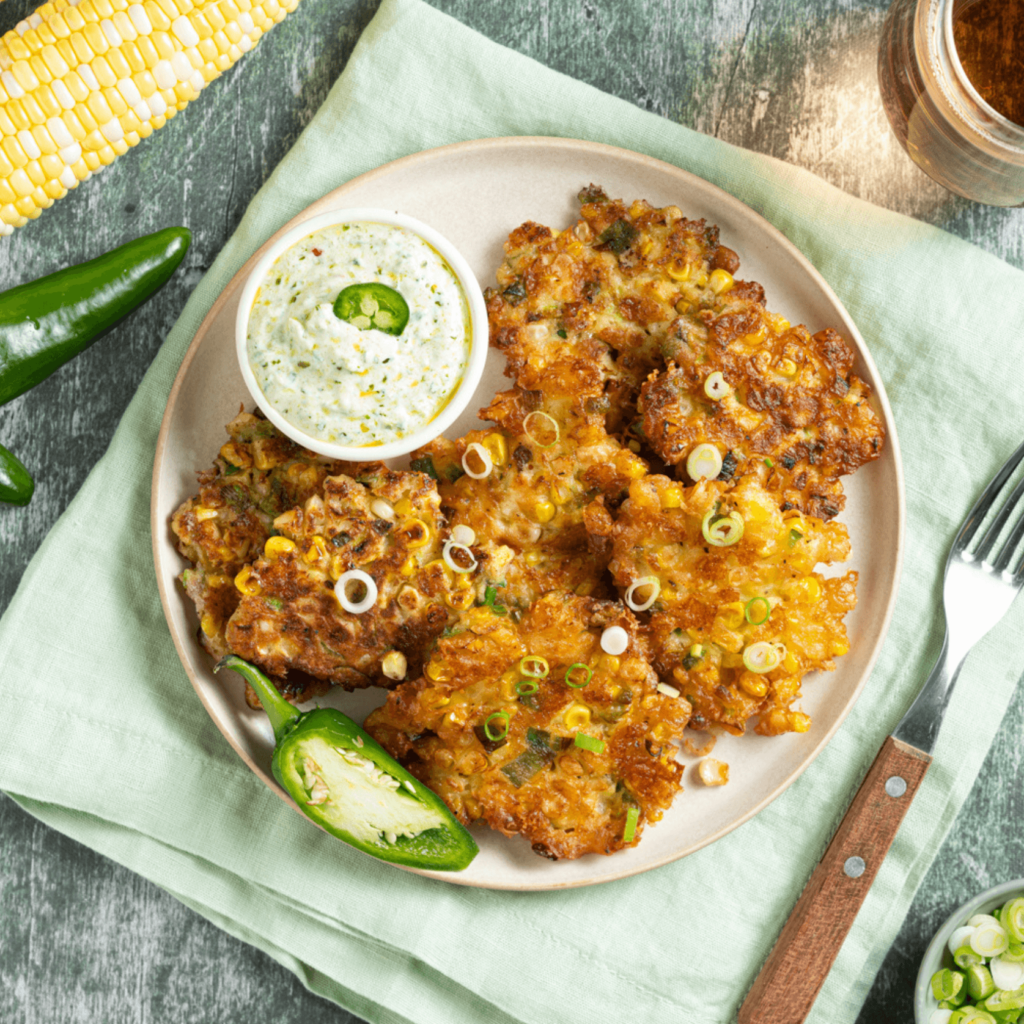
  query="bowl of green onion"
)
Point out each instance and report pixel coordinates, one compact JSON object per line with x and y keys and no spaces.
{"x":973,"y":971}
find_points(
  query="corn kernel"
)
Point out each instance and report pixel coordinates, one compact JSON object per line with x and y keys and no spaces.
{"x":713,"y":772}
{"x":218,"y":580}
{"x":278,"y":546}
{"x":533,"y":557}
{"x":786,"y":367}
{"x":497,"y":448}
{"x":702,"y":279}
{"x":790,"y":664}
{"x":316,"y":551}
{"x":798,"y":722}
{"x":721,"y":281}
{"x":246,"y":584}
{"x":403,"y":507}
{"x":543,"y":511}
{"x":732,"y":614}
{"x":416,"y":533}
{"x":437,"y":671}
{"x":672,"y":496}
{"x":610,"y":663}
{"x":753,"y":684}
{"x":209,"y":624}
{"x":577,"y":717}
{"x":461,"y":600}
{"x":840,"y":647}
{"x":409,"y":566}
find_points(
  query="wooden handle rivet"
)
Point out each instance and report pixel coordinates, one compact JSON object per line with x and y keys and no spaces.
{"x":854,"y":867}
{"x":895,"y":786}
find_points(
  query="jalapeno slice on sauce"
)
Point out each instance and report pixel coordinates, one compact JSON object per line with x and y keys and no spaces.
{"x":372,"y":305}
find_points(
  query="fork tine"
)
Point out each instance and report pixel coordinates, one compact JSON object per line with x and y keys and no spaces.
{"x":992,"y":533}
{"x":1010,"y":546}
{"x":984,"y":502}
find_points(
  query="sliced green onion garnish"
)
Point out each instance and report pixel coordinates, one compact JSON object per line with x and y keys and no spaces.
{"x":545,"y":423}
{"x":589,"y":742}
{"x":762,"y":657}
{"x":990,"y":940}
{"x":704,"y":462}
{"x":769,"y":463}
{"x":794,"y":536}
{"x":947,"y":984}
{"x":979,"y":982}
{"x":1012,"y":919}
{"x":1003,"y":1000}
{"x":525,"y":686}
{"x":757,"y":610}
{"x":501,"y":730}
{"x":965,"y":957}
{"x":569,"y":675}
{"x":715,"y":386}
{"x":721,"y":531}
{"x":695,"y":653}
{"x":632,"y":816}
{"x":534,"y":665}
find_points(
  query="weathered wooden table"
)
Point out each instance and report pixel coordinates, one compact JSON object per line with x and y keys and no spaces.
{"x":85,"y":940}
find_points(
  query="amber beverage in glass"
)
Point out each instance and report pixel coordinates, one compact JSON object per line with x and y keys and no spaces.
{"x":951,"y":74}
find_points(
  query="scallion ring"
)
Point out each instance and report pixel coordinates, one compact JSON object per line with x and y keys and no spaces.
{"x":591,"y":743}
{"x":704,"y":462}
{"x":382,"y":510}
{"x":569,"y":675}
{"x":446,"y":554}
{"x":721,"y":531}
{"x":341,"y":589}
{"x":761,"y":657}
{"x":527,"y":686}
{"x":534,"y":665}
{"x":757,"y":610}
{"x":990,"y":940}
{"x":485,"y":460}
{"x":1012,"y":918}
{"x":645,"y":581}
{"x":494,"y":736}
{"x":614,"y":640}
{"x":715,"y":387}
{"x":549,"y":421}
{"x":464,"y":535}
{"x":632,"y":816}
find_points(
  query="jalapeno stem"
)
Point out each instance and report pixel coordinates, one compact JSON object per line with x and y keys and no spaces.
{"x":282,"y":715}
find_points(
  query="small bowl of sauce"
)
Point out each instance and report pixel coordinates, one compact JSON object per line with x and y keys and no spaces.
{"x":362,"y":334}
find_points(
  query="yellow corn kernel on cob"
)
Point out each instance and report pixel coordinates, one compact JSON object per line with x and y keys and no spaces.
{"x":83,"y":80}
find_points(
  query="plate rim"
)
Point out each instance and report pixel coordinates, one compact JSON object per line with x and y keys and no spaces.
{"x":337,"y":196}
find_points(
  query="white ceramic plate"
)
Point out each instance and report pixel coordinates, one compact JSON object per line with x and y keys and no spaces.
{"x":475,"y":193}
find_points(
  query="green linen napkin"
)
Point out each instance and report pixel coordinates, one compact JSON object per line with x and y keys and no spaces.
{"x":105,"y":740}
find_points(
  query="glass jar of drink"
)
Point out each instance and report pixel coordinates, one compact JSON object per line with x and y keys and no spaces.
{"x":952,"y":79}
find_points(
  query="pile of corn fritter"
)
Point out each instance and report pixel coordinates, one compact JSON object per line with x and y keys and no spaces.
{"x":628,"y":551}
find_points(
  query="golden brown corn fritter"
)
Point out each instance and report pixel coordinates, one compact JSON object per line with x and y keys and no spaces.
{"x":561,"y":757}
{"x":709,"y":604}
{"x":258,"y":474}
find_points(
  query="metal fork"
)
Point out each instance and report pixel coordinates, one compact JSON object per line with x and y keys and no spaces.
{"x":978,"y":589}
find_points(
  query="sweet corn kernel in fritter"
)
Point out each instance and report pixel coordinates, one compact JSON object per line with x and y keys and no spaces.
{"x":733,"y":627}
{"x":575,"y":767}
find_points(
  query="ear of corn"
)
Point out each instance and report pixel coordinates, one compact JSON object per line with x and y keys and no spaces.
{"x":83,"y":80}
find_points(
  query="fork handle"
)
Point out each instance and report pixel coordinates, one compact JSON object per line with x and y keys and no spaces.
{"x":792,"y":976}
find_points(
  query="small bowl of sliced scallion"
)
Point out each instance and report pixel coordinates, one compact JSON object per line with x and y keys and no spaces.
{"x":973,"y":971}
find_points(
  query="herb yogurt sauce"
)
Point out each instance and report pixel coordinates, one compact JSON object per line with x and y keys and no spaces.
{"x":341,"y":384}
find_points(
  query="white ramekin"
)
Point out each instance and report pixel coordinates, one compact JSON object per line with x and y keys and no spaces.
{"x":478,"y":339}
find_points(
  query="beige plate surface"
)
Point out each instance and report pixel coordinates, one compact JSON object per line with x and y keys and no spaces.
{"x":475,"y":193}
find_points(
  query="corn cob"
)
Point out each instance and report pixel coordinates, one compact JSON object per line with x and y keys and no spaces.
{"x":83,"y":80}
